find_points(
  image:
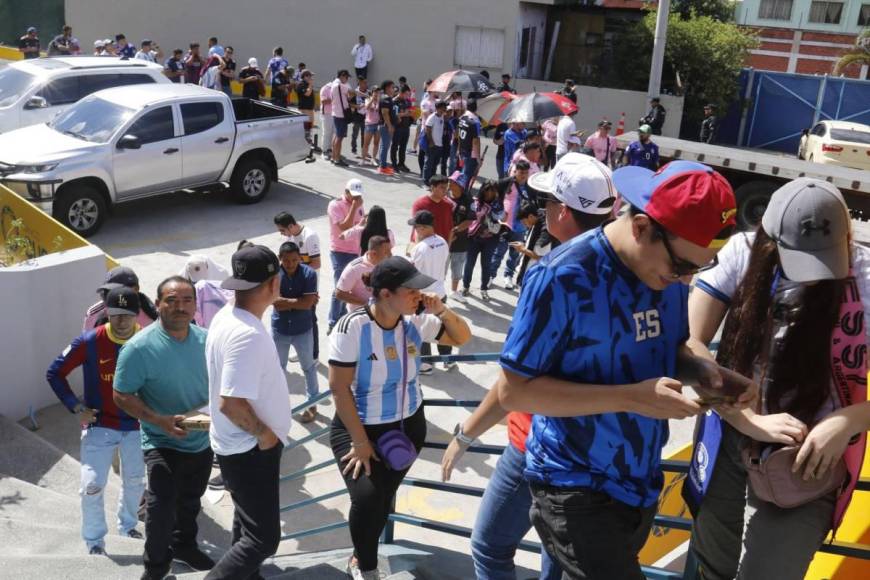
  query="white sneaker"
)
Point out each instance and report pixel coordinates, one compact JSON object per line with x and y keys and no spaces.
{"x":355,"y":573}
{"x":509,"y":284}
{"x":484,"y":295}
{"x":450,"y":365}
{"x":294,"y":358}
{"x":425,"y":369}
{"x":458,"y":297}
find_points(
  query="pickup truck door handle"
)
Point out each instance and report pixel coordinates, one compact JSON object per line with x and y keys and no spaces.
{"x":221,"y":140}
{"x":170,"y":151}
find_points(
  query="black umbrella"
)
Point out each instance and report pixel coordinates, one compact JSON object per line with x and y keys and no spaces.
{"x":461,"y":81}
{"x":537,"y":107}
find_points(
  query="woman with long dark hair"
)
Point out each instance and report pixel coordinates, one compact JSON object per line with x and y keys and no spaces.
{"x":796,"y":293}
{"x":379,"y":425}
{"x":483,"y":234}
{"x":374,"y":224}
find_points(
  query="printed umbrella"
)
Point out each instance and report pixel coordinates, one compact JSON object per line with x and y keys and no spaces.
{"x":461,"y":81}
{"x":491,"y":108}
{"x":536,"y":107}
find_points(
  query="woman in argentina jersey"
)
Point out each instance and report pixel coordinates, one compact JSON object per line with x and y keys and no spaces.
{"x":373,"y":366}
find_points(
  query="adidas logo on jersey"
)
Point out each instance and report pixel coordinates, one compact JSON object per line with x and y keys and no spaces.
{"x":373,"y":356}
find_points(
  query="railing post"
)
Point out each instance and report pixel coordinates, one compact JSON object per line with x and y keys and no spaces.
{"x":690,"y":570}
{"x":387,"y":536}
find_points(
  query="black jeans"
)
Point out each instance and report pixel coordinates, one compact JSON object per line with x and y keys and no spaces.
{"x":176,"y":482}
{"x":398,"y":146}
{"x":358,"y":133}
{"x":485,"y":248}
{"x":252,"y":480}
{"x":426,"y":347}
{"x":592,"y":535}
{"x":371,"y":497}
{"x":362,"y":72}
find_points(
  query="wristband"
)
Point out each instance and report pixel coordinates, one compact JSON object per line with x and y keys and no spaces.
{"x":356,"y":445}
{"x":462,"y":437}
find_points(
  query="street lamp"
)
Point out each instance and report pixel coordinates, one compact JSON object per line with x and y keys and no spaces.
{"x":658,"y":55}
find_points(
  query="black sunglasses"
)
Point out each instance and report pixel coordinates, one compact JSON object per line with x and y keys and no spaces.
{"x":680,"y":266}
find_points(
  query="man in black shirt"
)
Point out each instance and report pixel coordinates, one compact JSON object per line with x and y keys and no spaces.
{"x":305,"y":98}
{"x":29,"y":44}
{"x":463,"y":217}
{"x":468,"y":129}
{"x":63,"y":44}
{"x":710,"y":124}
{"x":386,"y":126}
{"x":506,"y":84}
{"x":280,"y":81}
{"x":229,"y":71}
{"x":251,"y":79}
{"x":358,"y":118}
{"x":173,"y":68}
{"x":404,"y":118}
{"x":569,"y":91}
{"x":655,"y":118}
{"x":498,"y":139}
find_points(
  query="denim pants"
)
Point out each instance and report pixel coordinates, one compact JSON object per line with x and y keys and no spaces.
{"x":358,"y":133}
{"x":227,"y":90}
{"x":399,"y":145}
{"x":485,"y":248}
{"x":503,"y":521}
{"x":433,"y":158}
{"x":504,"y":248}
{"x":340,"y":260}
{"x":454,"y":155}
{"x":303,"y":344}
{"x":386,"y":141}
{"x":469,"y":168}
{"x":97,"y":447}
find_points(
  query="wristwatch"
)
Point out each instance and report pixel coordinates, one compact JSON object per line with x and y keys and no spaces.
{"x":462,"y":437}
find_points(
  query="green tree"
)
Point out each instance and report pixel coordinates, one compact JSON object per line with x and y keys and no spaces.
{"x":703,"y":59}
{"x":721,"y":10}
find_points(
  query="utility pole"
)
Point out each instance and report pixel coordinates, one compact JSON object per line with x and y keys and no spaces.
{"x":658,"y":55}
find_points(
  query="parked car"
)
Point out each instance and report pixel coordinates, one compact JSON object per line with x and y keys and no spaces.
{"x":837,"y":143}
{"x":33,"y":91}
{"x":133,"y":142}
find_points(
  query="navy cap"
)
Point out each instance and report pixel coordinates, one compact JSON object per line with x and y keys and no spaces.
{"x":252,"y":265}
{"x":397,"y":272}
{"x":122,"y":301}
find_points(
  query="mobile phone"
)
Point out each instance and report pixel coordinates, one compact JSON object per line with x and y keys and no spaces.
{"x":733,"y":385}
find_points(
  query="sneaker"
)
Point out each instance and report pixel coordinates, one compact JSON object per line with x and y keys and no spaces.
{"x":135,"y":534}
{"x":425,"y":369}
{"x":309,"y":415}
{"x":354,"y":573}
{"x":194,"y":558}
{"x":484,"y":295}
{"x":216,"y":482}
{"x":509,"y":284}
{"x":294,"y":358}
{"x":404,"y":168}
{"x":458,"y":297}
{"x":386,"y":171}
{"x":450,"y":365}
{"x":341,"y":163}
{"x":97,"y":551}
{"x":466,"y":292}
{"x":154,"y":574}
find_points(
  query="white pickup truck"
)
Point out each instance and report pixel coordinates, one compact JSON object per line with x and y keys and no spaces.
{"x":133,"y":142}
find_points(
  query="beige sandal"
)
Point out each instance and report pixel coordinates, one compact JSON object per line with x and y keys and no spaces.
{"x":309,"y":415}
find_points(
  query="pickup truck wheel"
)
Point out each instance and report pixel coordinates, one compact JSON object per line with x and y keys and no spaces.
{"x":81,"y":209}
{"x":752,"y":200}
{"x":251,"y":181}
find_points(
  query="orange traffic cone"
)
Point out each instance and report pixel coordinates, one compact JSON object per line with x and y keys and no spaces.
{"x":620,"y":128}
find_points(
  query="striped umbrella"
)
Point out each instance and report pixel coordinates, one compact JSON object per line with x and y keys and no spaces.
{"x":536,"y":107}
{"x":491,"y":108}
{"x":461,"y":81}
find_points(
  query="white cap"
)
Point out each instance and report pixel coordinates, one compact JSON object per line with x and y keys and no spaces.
{"x":98,"y":43}
{"x":355,"y":187}
{"x":252,"y":62}
{"x":579,"y":181}
{"x":108,"y":42}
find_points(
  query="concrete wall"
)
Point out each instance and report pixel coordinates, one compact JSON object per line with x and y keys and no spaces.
{"x":533,"y":17}
{"x":415,"y":39}
{"x":597,"y":103}
{"x":42,"y":305}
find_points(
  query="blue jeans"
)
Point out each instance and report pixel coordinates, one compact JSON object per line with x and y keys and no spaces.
{"x":484,"y":248}
{"x":227,"y":90}
{"x":303,"y":344}
{"x":503,"y":520}
{"x":433,"y":158}
{"x":97,"y":447}
{"x":386,"y":141}
{"x":504,"y":248}
{"x":469,"y":168}
{"x":454,"y":155}
{"x":340,"y":260}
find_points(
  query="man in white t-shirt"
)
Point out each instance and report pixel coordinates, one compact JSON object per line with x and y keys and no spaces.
{"x":301,"y":235}
{"x":565,"y":129}
{"x":149,"y":52}
{"x":341,"y":112}
{"x":250,"y":411}
{"x":327,"y":127}
{"x":430,"y":256}
{"x":362,"y":55}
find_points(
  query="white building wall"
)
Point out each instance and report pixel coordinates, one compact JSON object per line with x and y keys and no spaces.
{"x":534,"y":18}
{"x":42,"y":305}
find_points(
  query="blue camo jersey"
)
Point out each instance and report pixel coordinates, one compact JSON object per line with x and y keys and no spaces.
{"x":584,"y":316}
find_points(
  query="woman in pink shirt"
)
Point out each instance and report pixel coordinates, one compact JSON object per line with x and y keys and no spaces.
{"x":373,"y":224}
{"x":370,"y":133}
{"x":531,"y":154}
{"x":602,"y":144}
{"x":548,"y":128}
{"x":353,"y":286}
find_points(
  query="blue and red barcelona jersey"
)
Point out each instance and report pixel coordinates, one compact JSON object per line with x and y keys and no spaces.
{"x":583,"y":316}
{"x":96,"y":351}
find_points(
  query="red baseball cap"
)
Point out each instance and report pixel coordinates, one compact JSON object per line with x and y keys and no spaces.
{"x":687,"y":198}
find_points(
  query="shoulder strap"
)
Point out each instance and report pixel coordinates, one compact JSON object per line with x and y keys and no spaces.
{"x":404,"y":348}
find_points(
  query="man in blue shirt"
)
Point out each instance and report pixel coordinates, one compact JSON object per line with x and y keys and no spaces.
{"x":596,"y":335}
{"x":293,"y":318}
{"x":512,"y":139}
{"x":643,"y":152}
{"x":160,"y":376}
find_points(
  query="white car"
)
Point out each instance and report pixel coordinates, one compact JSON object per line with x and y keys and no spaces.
{"x":837,"y":143}
{"x":134,"y":142}
{"x":33,"y":91}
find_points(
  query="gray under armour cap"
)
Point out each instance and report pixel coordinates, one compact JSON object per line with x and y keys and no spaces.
{"x":809,"y":221}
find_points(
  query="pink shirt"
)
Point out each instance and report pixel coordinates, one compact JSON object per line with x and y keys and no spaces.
{"x":340,"y":98}
{"x":373,"y":116}
{"x":599,"y":146}
{"x":337,"y":211}
{"x":326,"y":95}
{"x":351,"y":278}
{"x":549,"y":127}
{"x":520,"y":156}
{"x":354,"y":234}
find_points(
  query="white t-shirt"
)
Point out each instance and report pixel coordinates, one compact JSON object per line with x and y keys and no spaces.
{"x":242,"y":362}
{"x":358,"y":341}
{"x":437,"y":124}
{"x":564,"y":130}
{"x":431,"y":256}
{"x":308,"y":242}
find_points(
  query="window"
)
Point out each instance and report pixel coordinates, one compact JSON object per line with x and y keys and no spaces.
{"x":864,"y":15}
{"x":775,"y":9}
{"x":851,"y":135}
{"x":199,"y":117}
{"x":479,"y":47}
{"x":826,"y":12}
{"x":524,"y":47}
{"x":819,"y":130}
{"x":154,"y":126}
{"x":61,"y":91}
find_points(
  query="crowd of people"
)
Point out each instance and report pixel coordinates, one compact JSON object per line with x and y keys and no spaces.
{"x":604,"y":338}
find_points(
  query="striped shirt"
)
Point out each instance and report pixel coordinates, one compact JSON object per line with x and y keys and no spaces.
{"x":359,"y":341}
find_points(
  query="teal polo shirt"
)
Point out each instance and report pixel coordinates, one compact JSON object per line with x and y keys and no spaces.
{"x":169,"y":376}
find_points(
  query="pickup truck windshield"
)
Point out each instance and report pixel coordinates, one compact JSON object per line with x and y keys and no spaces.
{"x":13,"y":83}
{"x":92,"y":119}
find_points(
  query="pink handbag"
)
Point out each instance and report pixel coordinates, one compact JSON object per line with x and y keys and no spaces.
{"x":772,"y":480}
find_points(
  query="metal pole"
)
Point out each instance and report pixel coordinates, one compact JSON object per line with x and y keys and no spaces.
{"x":658,"y":55}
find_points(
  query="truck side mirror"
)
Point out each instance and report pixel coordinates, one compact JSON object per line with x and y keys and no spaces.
{"x":36,"y":103}
{"x":129,"y":142}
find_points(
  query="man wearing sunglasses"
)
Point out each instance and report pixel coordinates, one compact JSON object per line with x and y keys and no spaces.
{"x":596,"y":336}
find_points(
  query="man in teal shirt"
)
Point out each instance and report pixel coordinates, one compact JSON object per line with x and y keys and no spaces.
{"x":159,"y":377}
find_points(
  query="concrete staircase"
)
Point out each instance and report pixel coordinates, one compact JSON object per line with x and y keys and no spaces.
{"x":40,"y":520}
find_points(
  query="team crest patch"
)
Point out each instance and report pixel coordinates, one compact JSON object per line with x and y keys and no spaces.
{"x":391,"y":353}
{"x":412,"y":349}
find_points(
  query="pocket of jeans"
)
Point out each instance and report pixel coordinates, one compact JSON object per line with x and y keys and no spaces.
{"x":577,"y":501}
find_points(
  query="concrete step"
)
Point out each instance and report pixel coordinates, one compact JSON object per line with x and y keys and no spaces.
{"x":23,"y":538}
{"x":28,"y":502}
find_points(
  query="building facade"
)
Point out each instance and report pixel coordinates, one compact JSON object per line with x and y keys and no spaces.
{"x":805,"y":36}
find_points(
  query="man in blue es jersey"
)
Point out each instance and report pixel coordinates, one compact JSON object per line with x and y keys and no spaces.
{"x":596,"y":335}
